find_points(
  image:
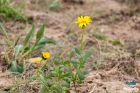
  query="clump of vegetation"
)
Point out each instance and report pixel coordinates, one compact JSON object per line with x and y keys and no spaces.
{"x":55,"y":5}
{"x":116,"y":42}
{"x":9,"y":12}
{"x":59,"y":75}
{"x":134,"y":4}
{"x":16,"y":53}
{"x":100,"y":36}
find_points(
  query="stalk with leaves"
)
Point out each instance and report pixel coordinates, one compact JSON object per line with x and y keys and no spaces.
{"x":61,"y":74}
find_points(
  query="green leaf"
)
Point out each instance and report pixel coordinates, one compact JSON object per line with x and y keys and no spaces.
{"x":29,"y":36}
{"x":15,"y":68}
{"x":77,"y":51}
{"x":34,"y":77}
{"x":57,"y":62}
{"x":75,"y":64}
{"x":40,"y":33}
{"x":43,"y":78}
{"x":71,"y":54}
{"x":117,"y":42}
{"x":65,"y":63}
{"x":44,"y":41}
{"x":55,"y":5}
{"x":81,"y":75}
{"x":67,"y":81}
{"x":57,"y":88}
{"x":66,"y":75}
{"x":100,"y":36}
{"x":18,"y":48}
{"x":43,"y":89}
{"x":88,"y":54}
{"x":26,"y":49}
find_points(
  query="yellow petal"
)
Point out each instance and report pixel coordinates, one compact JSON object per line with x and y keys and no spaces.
{"x":46,"y":55}
{"x":81,"y":25}
{"x":83,"y":21}
{"x":88,"y":19}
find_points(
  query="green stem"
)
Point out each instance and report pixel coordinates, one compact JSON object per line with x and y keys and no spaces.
{"x":28,"y":52}
{"x":37,"y":72}
{"x":82,"y":39}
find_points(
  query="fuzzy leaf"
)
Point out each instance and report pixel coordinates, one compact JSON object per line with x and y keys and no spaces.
{"x":44,"y":41}
{"x":18,"y":48}
{"x":77,"y":51}
{"x":44,"y":89}
{"x":15,"y":68}
{"x":40,"y":33}
{"x":29,"y":36}
{"x":81,"y":75}
{"x":88,"y":54}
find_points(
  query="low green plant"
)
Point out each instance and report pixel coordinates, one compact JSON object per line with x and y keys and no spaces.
{"x":16,"y":53}
{"x":9,"y":12}
{"x":62,"y":73}
{"x":117,"y":42}
{"x":100,"y":36}
{"x":55,"y":5}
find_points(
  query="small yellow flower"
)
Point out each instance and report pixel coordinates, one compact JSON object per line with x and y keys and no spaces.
{"x":83,"y":21}
{"x":46,"y":55}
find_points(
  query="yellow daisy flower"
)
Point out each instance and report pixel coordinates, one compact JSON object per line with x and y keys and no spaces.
{"x":46,"y":55}
{"x":83,"y":21}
